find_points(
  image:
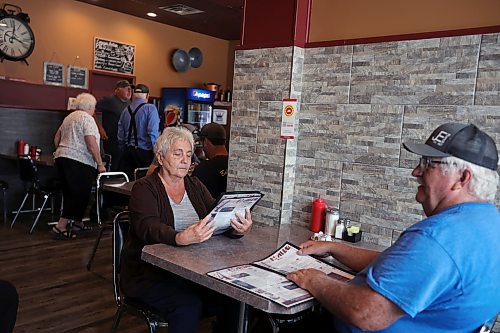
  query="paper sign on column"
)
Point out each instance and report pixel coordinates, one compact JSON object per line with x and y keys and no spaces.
{"x":288,"y":115}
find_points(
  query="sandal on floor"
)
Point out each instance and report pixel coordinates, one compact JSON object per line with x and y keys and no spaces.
{"x":59,"y":234}
{"x":81,"y":228}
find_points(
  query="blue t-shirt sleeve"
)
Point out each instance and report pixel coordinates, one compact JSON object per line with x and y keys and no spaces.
{"x":414,"y":273}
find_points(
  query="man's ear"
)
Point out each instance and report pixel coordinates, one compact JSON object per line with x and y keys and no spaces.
{"x":464,"y":180}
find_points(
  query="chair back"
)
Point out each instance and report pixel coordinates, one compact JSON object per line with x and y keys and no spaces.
{"x":140,"y":172}
{"x":121,"y":225}
{"x":103,"y":178}
{"x":28,"y":171}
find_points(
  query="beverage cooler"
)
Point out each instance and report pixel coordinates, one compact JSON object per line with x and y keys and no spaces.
{"x":186,"y":105}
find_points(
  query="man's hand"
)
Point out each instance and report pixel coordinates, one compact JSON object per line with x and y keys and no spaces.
{"x":197,"y":232}
{"x":242,"y":225}
{"x":101,"y":168}
{"x":304,"y":278}
{"x":318,"y":248}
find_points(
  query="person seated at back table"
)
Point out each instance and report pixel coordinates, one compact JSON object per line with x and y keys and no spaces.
{"x":442,"y":274}
{"x":170,"y":207}
{"x":213,"y":171}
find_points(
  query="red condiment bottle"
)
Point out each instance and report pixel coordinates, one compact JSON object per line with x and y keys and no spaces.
{"x":318,"y":215}
{"x":20,"y":147}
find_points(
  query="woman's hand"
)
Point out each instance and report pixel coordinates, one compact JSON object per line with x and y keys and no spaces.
{"x":197,"y":232}
{"x":242,"y":224}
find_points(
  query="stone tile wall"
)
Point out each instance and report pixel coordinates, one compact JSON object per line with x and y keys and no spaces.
{"x":358,"y":104}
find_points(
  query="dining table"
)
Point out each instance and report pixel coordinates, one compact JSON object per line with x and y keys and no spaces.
{"x":44,"y":159}
{"x":193,"y":262}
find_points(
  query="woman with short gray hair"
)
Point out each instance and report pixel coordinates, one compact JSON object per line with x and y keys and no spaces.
{"x":173,"y":208}
{"x":77,"y":158}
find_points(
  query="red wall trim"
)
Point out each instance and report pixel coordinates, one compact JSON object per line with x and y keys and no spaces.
{"x":395,"y":38}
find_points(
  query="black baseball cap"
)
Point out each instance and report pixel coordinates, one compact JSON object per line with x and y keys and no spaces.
{"x":466,"y":142}
{"x":122,"y":84}
{"x":141,"y":88}
{"x":213,"y":131}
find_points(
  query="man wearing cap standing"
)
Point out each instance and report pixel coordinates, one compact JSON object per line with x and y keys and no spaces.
{"x":213,"y":171}
{"x":138,"y":129}
{"x":111,"y":108}
{"x":442,"y":274}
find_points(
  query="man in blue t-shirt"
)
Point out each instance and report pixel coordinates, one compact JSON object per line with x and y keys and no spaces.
{"x":443,"y":273}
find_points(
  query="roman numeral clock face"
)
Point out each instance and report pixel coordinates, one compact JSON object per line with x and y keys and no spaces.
{"x":16,"y":38}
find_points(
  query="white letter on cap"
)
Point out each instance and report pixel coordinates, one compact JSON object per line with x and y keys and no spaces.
{"x":440,"y":138}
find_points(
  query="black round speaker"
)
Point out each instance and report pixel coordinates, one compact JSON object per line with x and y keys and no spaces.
{"x":195,"y":57}
{"x":180,"y":60}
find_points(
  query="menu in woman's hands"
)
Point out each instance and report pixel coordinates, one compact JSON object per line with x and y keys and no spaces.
{"x":230,"y":203}
{"x":267,"y":277}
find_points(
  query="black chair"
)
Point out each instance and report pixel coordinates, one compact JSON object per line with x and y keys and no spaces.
{"x":140,"y":172}
{"x":4,"y":187}
{"x":103,"y":178}
{"x":121,"y":224}
{"x":29,"y":175}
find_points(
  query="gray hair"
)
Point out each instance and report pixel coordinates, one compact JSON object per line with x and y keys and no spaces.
{"x":85,"y":102}
{"x":169,"y":135}
{"x":140,"y":95}
{"x":484,"y":181}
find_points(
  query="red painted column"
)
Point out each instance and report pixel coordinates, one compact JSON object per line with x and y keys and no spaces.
{"x":275,"y":23}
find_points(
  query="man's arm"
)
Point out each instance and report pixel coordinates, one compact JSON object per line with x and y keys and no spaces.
{"x":353,"y":257}
{"x":153,"y":123}
{"x":357,"y":305}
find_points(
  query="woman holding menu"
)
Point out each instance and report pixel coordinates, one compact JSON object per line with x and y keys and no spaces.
{"x":171,"y":208}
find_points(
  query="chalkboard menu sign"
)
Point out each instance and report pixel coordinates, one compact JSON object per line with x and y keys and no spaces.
{"x":77,"y":77}
{"x":53,"y":73}
{"x":113,"y":56}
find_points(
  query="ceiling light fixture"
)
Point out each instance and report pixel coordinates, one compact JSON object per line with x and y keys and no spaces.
{"x":181,"y":9}
{"x":151,"y":14}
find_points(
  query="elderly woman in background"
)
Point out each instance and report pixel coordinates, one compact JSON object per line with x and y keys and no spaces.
{"x":77,"y":156}
{"x":172,"y":208}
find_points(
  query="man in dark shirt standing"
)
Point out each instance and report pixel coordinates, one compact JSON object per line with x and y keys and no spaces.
{"x":213,"y":171}
{"x":111,"y":108}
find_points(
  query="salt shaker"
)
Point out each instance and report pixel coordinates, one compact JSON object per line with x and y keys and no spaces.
{"x":332,"y":217}
{"x":339,"y":229}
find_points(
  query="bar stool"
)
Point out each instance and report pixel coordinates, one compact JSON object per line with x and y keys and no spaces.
{"x":4,"y":186}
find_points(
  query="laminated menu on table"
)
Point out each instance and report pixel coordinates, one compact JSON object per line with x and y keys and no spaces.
{"x":267,"y":277}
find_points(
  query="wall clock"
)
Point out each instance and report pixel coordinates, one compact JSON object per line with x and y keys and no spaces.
{"x":17,"y":40}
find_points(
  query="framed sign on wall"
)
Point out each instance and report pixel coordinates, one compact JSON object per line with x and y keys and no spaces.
{"x":77,"y":77}
{"x":113,"y":56}
{"x":53,"y":73}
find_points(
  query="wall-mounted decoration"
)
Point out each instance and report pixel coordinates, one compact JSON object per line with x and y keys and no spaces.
{"x":53,"y":73}
{"x":220,"y":116}
{"x":288,"y":115}
{"x":18,"y":40}
{"x":113,"y":56}
{"x":77,"y":77}
{"x":71,"y":103}
{"x":196,"y":57}
{"x":180,"y":60}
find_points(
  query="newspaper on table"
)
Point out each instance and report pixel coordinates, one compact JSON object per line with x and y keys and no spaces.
{"x":267,"y":277}
{"x":230,"y":203}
